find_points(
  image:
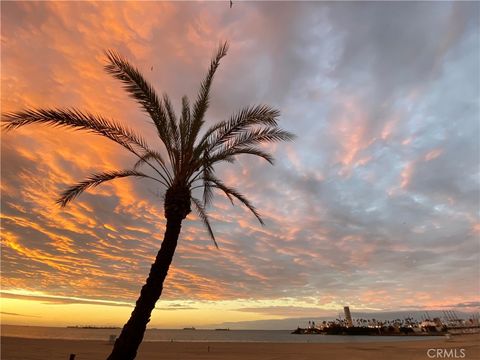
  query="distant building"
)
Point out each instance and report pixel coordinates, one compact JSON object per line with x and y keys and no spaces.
{"x":438,"y":322}
{"x":348,"y":316}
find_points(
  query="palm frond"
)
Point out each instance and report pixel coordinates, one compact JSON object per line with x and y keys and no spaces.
{"x":201,"y":104}
{"x":250,"y":116}
{"x":231,"y":192}
{"x":95,"y":180}
{"x":173,"y":133}
{"x":154,"y":155}
{"x":207,"y":136}
{"x":141,"y":90}
{"x":80,"y":120}
{"x":252,"y":137}
{"x":204,"y":217}
{"x":172,"y":118}
{"x":151,"y":155}
{"x":184,"y":127}
{"x":229,"y":154}
{"x":77,"y":120}
{"x":185,"y":120}
{"x":207,"y":173}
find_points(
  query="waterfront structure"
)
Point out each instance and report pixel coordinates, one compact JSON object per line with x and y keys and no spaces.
{"x":348,"y":316}
{"x":409,"y":326}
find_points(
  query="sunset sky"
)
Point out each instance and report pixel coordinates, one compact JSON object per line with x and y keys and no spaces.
{"x":375,"y":204}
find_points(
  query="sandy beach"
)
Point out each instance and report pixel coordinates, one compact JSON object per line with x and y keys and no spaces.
{"x":41,"y":349}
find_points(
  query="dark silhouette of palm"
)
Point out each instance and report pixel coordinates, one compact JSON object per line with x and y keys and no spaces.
{"x":191,"y":156}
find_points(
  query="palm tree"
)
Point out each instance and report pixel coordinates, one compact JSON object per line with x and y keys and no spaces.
{"x":191,"y":156}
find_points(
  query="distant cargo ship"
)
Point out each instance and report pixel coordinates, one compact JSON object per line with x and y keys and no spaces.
{"x":226,"y":329}
{"x":189,"y":328}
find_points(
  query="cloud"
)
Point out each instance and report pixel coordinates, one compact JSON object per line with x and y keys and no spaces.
{"x":376,"y":198}
{"x":15,"y":314}
{"x":53,"y":299}
{"x":471,"y":304}
{"x":174,"y":307}
{"x":286,"y":311}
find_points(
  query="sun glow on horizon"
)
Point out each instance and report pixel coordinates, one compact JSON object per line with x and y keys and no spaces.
{"x":24,"y":307}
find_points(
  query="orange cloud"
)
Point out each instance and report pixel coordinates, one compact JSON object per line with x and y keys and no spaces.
{"x":433,"y":154}
{"x":350,"y":132}
{"x":406,"y":175}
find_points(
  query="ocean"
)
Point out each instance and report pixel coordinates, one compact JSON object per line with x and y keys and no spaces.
{"x":272,"y":336}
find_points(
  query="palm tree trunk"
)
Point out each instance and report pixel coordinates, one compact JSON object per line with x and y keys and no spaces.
{"x":127,"y":344}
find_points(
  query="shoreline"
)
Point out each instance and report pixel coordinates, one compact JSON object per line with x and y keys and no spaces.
{"x":14,"y":348}
{"x":335,"y":339}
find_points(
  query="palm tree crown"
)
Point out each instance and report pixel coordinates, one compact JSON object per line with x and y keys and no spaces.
{"x":189,"y":164}
{"x":191,"y":156}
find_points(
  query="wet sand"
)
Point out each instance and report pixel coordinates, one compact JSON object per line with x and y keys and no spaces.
{"x":42,"y":349}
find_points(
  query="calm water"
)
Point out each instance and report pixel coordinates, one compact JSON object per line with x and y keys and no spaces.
{"x":284,"y":336}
